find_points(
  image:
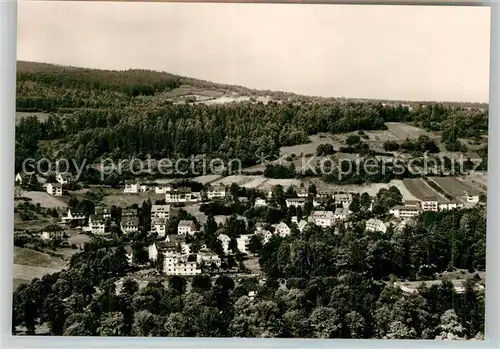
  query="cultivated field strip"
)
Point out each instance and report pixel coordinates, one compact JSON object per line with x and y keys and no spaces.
{"x":455,"y":187}
{"x":421,"y":190}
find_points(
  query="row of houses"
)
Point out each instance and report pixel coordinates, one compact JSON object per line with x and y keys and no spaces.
{"x":412,"y":208}
{"x":175,"y":194}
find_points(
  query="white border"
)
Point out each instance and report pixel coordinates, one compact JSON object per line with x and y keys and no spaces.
{"x":8,"y":21}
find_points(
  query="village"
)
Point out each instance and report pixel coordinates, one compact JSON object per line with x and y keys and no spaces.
{"x":171,"y":252}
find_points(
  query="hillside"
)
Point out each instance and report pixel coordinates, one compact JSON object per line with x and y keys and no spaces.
{"x":91,"y":114}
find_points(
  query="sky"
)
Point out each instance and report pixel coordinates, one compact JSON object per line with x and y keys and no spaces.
{"x":382,"y":52}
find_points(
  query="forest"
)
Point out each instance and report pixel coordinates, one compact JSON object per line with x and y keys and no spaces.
{"x":96,"y":114}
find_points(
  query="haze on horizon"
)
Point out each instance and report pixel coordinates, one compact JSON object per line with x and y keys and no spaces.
{"x":379,"y":52}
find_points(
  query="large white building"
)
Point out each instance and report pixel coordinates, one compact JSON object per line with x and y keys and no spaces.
{"x":177,"y":264}
{"x":186,"y":227}
{"x":181,"y":195}
{"x":216,"y":192}
{"x":430,"y":204}
{"x":159,"y":226}
{"x":323,"y":219}
{"x":97,"y":224}
{"x":409,"y":210}
{"x":374,"y":225}
{"x":160,"y":211}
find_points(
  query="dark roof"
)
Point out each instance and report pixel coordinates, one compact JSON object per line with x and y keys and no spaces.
{"x":130,"y":221}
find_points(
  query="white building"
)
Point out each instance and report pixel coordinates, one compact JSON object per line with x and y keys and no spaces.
{"x":73,"y":215}
{"x":472,"y":198}
{"x":374,"y":225}
{"x":55,"y":189}
{"x":131,"y":186}
{"x":444,"y":206}
{"x":224,"y":240}
{"x":344,"y":199}
{"x":162,"y":189}
{"x":160,"y":211}
{"x":176,"y":264}
{"x":216,"y":192}
{"x":302,"y":193}
{"x":143,"y":188}
{"x":208,"y":257}
{"x":341,"y":213}
{"x":159,"y":226}
{"x":282,"y":229}
{"x":259,"y":202}
{"x":325,"y":193}
{"x":97,"y":224}
{"x":429,"y":204}
{"x":323,"y":219}
{"x":295,"y":202}
{"x":18,"y":179}
{"x":64,"y":178}
{"x":186,"y":227}
{"x":180,"y":195}
{"x":129,"y":224}
{"x":243,"y":242}
{"x":51,"y":232}
{"x":409,"y":210}
{"x":103,"y":211}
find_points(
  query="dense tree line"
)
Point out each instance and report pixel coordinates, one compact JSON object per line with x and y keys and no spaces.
{"x":111,"y":119}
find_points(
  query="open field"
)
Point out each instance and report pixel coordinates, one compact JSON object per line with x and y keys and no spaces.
{"x":478,"y":180}
{"x":310,"y":148}
{"x":26,"y":256}
{"x":455,"y":187}
{"x":30,"y":264}
{"x":372,"y":189}
{"x":257,"y":182}
{"x":421,"y":190}
{"x":45,"y":200}
{"x":34,"y":224}
{"x":206,"y":179}
{"x":403,"y":131}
